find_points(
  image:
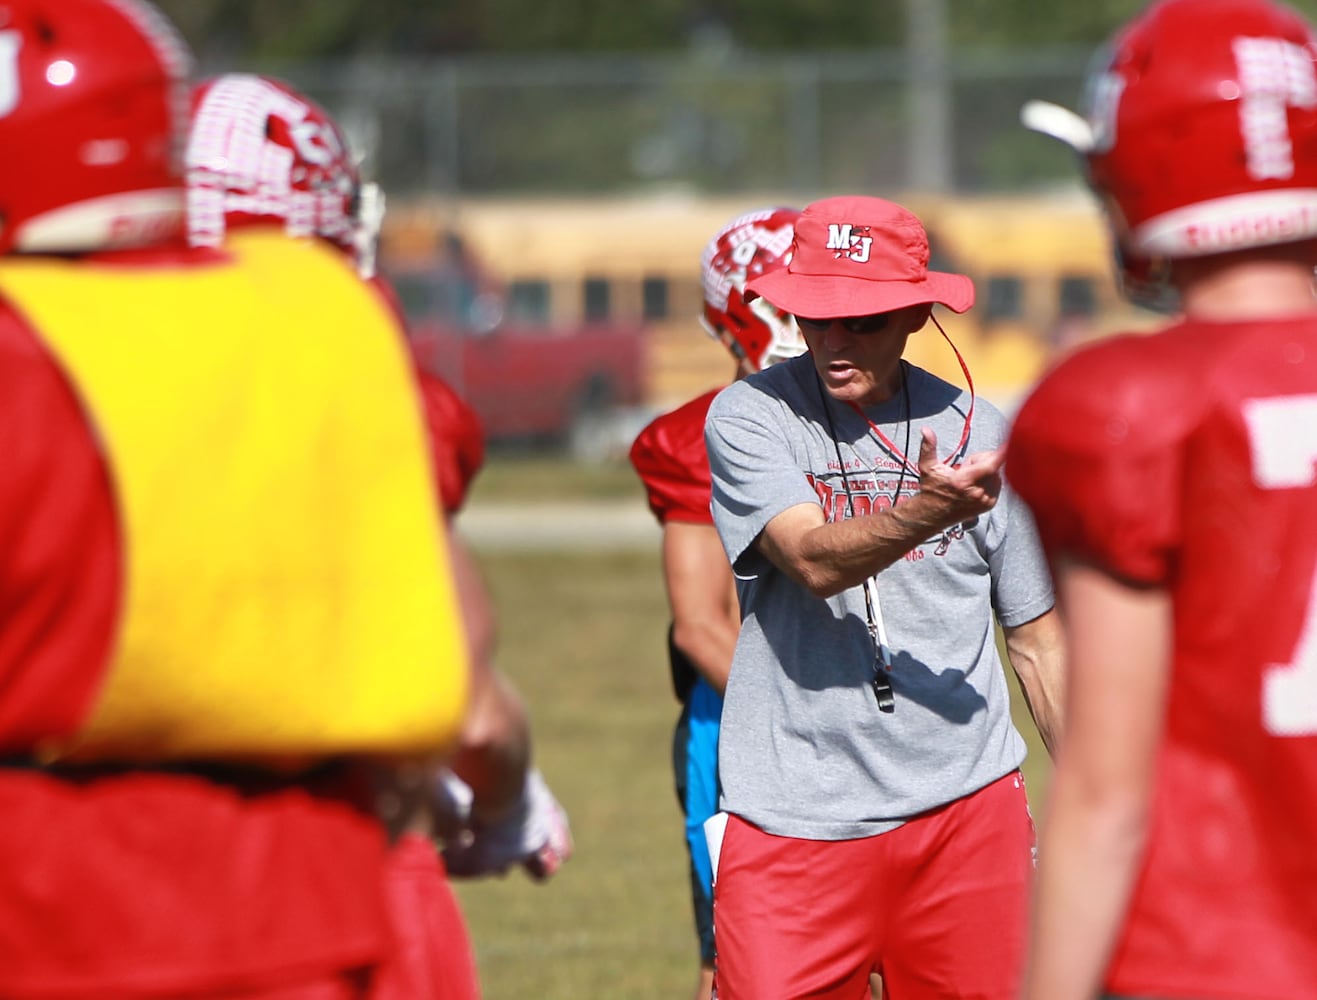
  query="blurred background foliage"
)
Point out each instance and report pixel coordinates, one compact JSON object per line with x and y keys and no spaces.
{"x":496,"y":97}
{"x":711,"y":94}
{"x":317,"y":29}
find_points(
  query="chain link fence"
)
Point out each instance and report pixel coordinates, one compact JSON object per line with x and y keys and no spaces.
{"x":705,"y":122}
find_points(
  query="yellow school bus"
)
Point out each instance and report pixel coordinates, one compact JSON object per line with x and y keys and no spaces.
{"x":1045,"y":280}
{"x":1041,"y":265}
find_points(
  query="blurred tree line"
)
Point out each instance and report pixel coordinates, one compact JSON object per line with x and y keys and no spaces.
{"x":586,"y":96}
{"x":224,"y":30}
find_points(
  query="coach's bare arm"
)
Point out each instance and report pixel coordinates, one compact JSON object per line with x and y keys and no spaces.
{"x":1037,"y":654}
{"x":829,"y":557}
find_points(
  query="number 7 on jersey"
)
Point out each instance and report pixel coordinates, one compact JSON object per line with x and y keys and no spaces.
{"x":1282,"y":434}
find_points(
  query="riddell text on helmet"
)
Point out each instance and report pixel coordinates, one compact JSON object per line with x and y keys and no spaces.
{"x":1231,"y":224}
{"x":1249,"y":230}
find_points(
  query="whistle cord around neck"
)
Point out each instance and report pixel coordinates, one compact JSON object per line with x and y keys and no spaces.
{"x":882,"y":654}
{"x":901,"y":456}
{"x":957,"y":453}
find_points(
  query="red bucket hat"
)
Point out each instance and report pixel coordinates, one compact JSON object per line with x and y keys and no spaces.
{"x":856,"y":256}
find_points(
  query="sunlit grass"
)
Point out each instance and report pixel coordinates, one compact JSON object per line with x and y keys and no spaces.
{"x":582,"y":636}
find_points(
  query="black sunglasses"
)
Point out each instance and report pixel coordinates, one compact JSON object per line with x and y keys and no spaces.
{"x":852,"y":324}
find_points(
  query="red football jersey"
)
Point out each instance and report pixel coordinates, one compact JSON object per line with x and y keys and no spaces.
{"x":118,"y":881}
{"x":670,"y":458}
{"x":456,"y":438}
{"x":1185,"y":460}
{"x":61,"y":543}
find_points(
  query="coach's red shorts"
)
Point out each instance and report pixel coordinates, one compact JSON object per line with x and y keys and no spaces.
{"x":938,"y":906}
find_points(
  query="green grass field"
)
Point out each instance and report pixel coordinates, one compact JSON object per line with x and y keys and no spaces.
{"x":582,"y":635}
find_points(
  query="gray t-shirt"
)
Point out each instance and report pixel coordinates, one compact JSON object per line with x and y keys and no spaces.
{"x":804,"y":750}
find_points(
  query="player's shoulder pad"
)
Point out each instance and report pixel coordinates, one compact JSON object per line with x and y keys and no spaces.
{"x":670,"y":458}
{"x":1127,"y":391}
{"x":1093,"y":451}
{"x":673,"y":440}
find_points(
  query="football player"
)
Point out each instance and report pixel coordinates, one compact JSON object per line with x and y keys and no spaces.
{"x":222,"y":580}
{"x":1172,"y":476}
{"x":669,"y":457}
{"x":261,"y":156}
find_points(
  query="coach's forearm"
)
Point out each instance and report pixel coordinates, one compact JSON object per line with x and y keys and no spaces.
{"x":1037,"y":653}
{"x":831,"y":557}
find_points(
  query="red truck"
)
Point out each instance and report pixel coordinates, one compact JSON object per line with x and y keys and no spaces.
{"x":581,"y":387}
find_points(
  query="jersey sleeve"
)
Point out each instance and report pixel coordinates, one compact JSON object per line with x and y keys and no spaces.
{"x":457,"y":440}
{"x":60,"y":576}
{"x":1097,"y":453}
{"x":670,"y":458}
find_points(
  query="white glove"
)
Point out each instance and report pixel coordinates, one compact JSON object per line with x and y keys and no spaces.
{"x":451,"y":805}
{"x":534,"y":835}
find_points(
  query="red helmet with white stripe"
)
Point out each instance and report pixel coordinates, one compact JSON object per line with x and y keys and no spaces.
{"x":1201,"y":131}
{"x":260,"y":151}
{"x":93,"y":112}
{"x":756,"y":332}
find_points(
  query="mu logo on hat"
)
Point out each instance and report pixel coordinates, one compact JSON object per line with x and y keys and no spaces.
{"x":857,"y":256}
{"x":846,"y":241}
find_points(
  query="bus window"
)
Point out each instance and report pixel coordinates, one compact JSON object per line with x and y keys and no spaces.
{"x":597,"y":303}
{"x":1004,"y":299}
{"x":685,"y":297}
{"x":528,"y":300}
{"x":654,"y":298}
{"x":1076,"y":296}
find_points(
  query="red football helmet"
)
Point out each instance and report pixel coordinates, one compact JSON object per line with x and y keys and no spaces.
{"x":262,"y":152}
{"x":1201,"y":132}
{"x":756,"y":332}
{"x":93,"y":110}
